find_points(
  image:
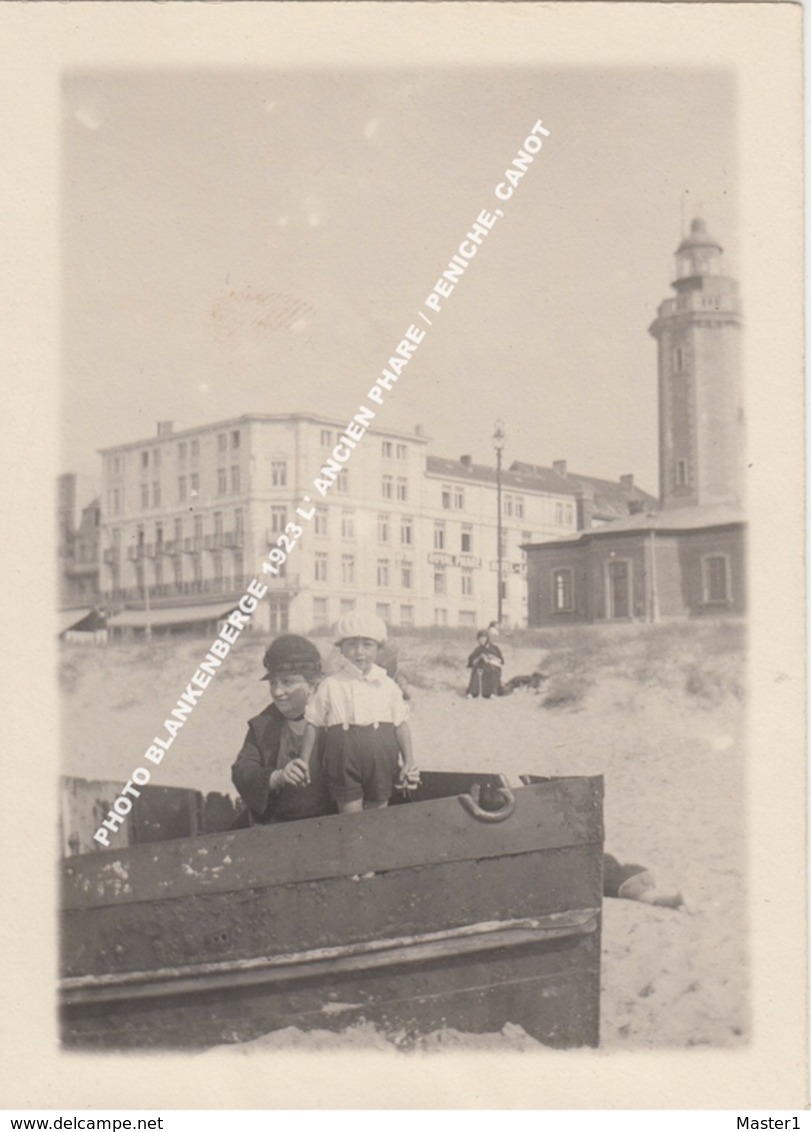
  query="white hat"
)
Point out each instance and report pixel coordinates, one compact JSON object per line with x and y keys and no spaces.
{"x":357,"y":624}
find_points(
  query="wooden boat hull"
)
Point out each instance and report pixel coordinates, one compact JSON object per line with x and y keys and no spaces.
{"x":425,"y":916}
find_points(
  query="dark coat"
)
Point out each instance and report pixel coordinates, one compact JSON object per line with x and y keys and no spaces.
{"x":255,"y":762}
{"x":485,"y":678}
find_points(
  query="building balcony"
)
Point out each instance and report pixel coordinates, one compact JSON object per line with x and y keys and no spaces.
{"x":231,"y":586}
{"x":81,"y":569}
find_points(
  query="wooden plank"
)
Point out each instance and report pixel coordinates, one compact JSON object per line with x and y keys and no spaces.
{"x":550,"y":815}
{"x":274,"y":919}
{"x":552,"y":990}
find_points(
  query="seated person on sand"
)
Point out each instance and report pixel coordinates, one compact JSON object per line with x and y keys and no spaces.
{"x":360,"y":716}
{"x":485,"y":662}
{"x":275,"y":784}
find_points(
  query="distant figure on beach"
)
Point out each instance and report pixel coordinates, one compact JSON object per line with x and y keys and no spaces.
{"x":485,"y":662}
{"x":272,"y":780}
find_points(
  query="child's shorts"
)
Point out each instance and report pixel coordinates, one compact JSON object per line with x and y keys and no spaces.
{"x":361,"y":762}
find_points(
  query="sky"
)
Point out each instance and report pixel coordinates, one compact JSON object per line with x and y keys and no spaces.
{"x":240,"y":241}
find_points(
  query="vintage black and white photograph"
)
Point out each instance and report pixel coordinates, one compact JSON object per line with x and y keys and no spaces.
{"x":403,"y":558}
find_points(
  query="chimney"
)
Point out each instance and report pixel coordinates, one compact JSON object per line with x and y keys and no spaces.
{"x":559,"y":468}
{"x":627,"y":482}
{"x":165,"y":428}
{"x":467,"y":461}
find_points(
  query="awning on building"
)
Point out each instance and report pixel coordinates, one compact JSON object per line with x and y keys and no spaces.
{"x":183,"y":615}
{"x":67,"y":618}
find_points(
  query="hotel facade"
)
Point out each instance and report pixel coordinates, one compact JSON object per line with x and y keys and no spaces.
{"x":188,"y":517}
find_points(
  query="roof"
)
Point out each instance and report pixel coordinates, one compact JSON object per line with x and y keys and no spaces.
{"x":246,"y":418}
{"x":67,"y":618}
{"x":674,"y":519}
{"x":525,"y":477}
{"x":610,"y":498}
{"x":699,"y":237}
{"x":185,"y":615}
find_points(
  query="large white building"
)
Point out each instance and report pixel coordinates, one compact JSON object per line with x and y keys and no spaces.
{"x":188,"y":518}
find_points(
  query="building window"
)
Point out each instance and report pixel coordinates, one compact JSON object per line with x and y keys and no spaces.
{"x":406,"y":575}
{"x":178,"y":535}
{"x":342,"y":482}
{"x":406,"y":615}
{"x":235,"y":487}
{"x":681,"y":473}
{"x":320,"y":567}
{"x":222,"y":481}
{"x":386,"y":449}
{"x":320,"y":521}
{"x":320,"y":616}
{"x":382,"y":528}
{"x":467,"y":583}
{"x":156,"y":495}
{"x":144,"y":459}
{"x":519,"y":507}
{"x":195,"y":483}
{"x":402,"y":489}
{"x":238,"y":521}
{"x":278,"y":473}
{"x":562,"y":590}
{"x":446,"y":497}
{"x":440,"y":617}
{"x":235,"y":438}
{"x":144,"y":495}
{"x":326,"y":438}
{"x":715,"y":572}
{"x":383,"y":573}
{"x":508,"y":505}
{"x":156,"y":457}
{"x":467,"y":618}
{"x":218,"y":528}
{"x":195,"y":449}
{"x":387,"y":487}
{"x":177,"y":569}
{"x":181,"y":451}
{"x":569,"y":514}
{"x":439,"y":536}
{"x":278,"y":519}
{"x":383,"y":611}
{"x":347,"y":525}
{"x":459,"y":498}
{"x":198,"y":529}
{"x":467,"y":539}
{"x":439,"y":581}
{"x":116,"y":501}
{"x":559,"y":514}
{"x":347,"y":605}
{"x":402,"y":452}
{"x":406,"y":531}
{"x":222,"y":441}
{"x":348,"y":569}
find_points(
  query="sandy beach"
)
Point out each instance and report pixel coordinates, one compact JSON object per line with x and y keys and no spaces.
{"x":657,"y":710}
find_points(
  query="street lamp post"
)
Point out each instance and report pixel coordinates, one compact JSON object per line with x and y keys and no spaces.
{"x":498,"y":444}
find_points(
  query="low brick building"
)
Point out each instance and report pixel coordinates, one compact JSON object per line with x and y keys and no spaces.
{"x":683,"y":562}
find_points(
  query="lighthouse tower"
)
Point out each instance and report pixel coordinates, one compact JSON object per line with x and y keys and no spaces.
{"x":701,"y":447}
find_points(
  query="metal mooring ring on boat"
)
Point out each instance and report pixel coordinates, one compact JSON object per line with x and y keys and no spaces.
{"x":474,"y":809}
